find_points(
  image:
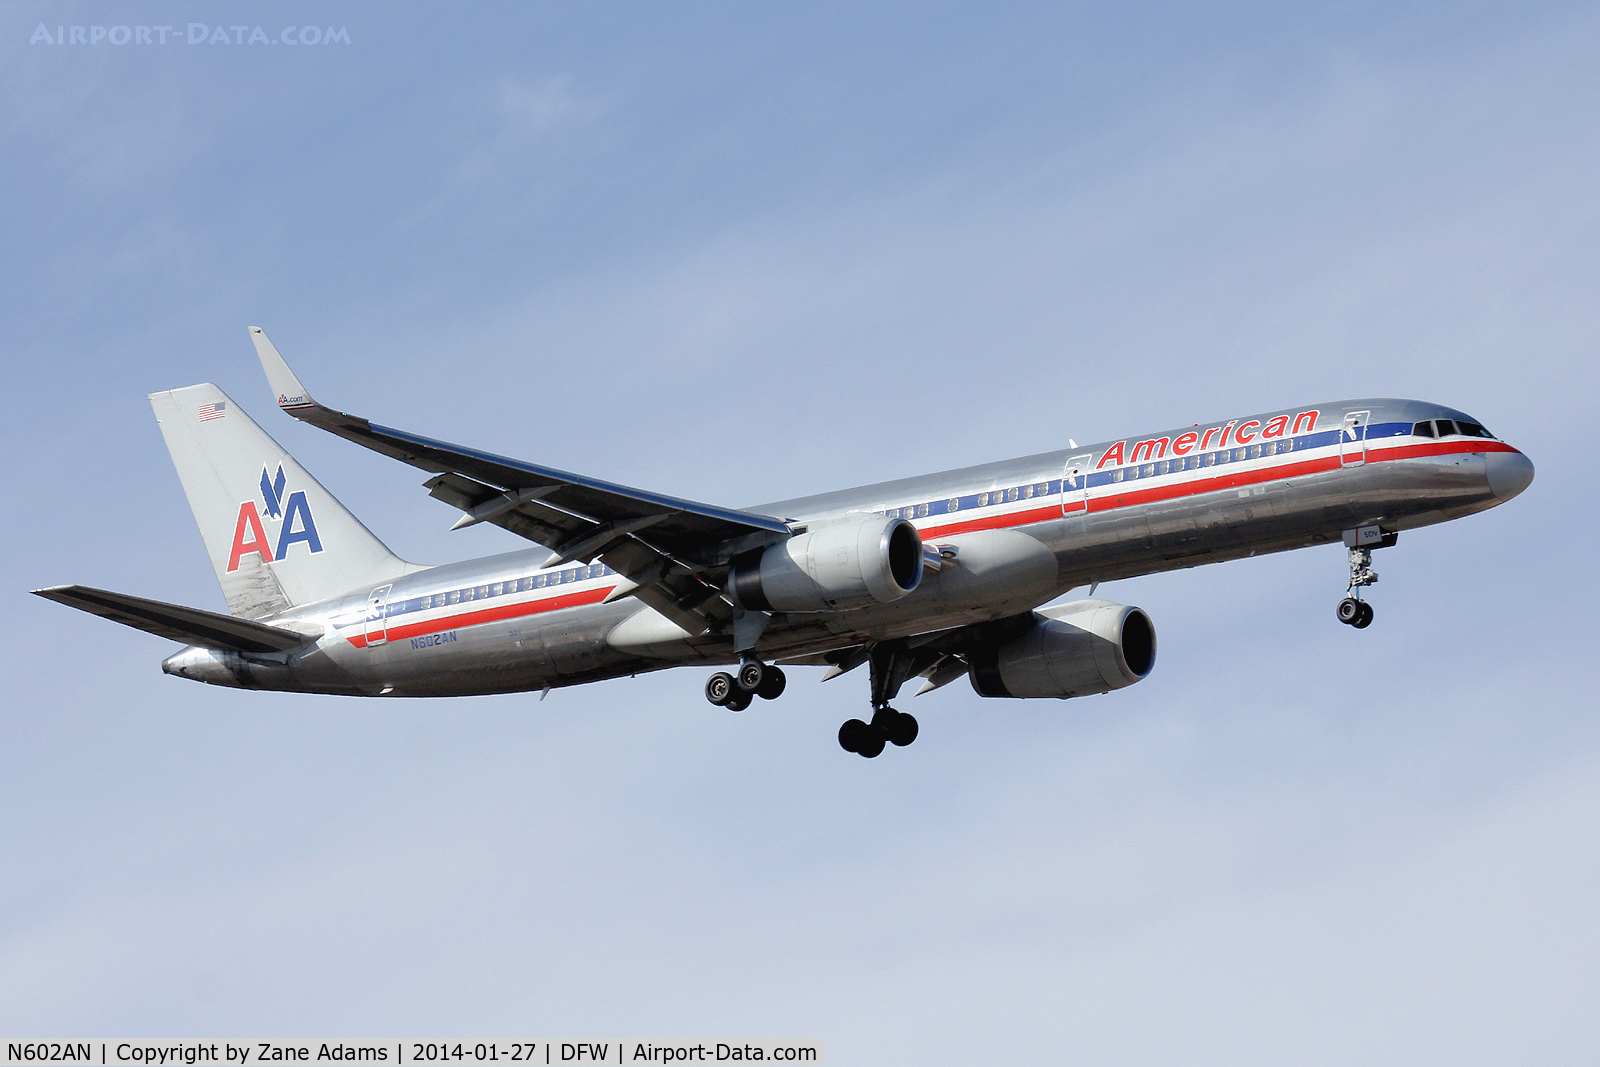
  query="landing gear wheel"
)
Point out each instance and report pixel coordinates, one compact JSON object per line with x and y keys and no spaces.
{"x":1366,"y":617}
{"x":856,"y":736}
{"x":902,"y":731}
{"x":751,"y":674}
{"x":738,"y":701}
{"x":771,"y":687}
{"x":719,"y":687}
{"x":897,"y":727}
{"x":852,"y":733}
{"x":1349,"y":610}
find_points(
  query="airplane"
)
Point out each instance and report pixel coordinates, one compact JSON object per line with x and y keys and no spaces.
{"x":934,"y":577}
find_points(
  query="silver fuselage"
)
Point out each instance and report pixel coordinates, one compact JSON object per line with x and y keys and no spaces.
{"x":1014,"y":534}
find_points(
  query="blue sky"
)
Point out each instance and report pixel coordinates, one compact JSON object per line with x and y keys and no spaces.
{"x":739,"y":255}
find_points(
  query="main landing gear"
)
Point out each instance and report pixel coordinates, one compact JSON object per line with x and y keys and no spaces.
{"x":891,"y":666}
{"x":753,"y":679}
{"x":888,"y":726}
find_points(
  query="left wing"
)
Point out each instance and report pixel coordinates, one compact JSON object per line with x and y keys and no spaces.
{"x":672,"y":550}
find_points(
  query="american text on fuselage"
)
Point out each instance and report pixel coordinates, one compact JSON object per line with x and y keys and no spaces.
{"x":936,"y":577}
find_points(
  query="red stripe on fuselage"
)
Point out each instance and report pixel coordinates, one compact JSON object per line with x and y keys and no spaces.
{"x":1110,"y":501}
{"x":483,"y":615}
{"x":1105,"y":502}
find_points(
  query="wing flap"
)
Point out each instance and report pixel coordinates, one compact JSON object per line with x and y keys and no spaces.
{"x":192,"y":626}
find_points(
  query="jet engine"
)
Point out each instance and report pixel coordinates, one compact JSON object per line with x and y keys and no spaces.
{"x":847,"y":565}
{"x":1088,"y":646}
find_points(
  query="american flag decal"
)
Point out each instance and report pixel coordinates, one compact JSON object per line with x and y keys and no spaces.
{"x":213,"y":411}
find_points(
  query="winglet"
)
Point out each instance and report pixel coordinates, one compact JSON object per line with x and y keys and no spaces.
{"x":292,"y":396}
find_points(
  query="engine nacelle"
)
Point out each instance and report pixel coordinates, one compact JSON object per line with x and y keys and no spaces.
{"x":848,"y":565}
{"x":1088,"y":646}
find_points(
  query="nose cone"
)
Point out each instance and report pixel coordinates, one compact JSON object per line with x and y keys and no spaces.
{"x":1509,"y":473}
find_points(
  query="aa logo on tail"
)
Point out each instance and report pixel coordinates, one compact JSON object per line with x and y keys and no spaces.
{"x":250,"y":535}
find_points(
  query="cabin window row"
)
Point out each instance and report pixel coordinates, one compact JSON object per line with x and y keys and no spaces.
{"x":489,"y":590}
{"x":954,"y":504}
{"x":1205,"y":459}
{"x":1038,"y":489}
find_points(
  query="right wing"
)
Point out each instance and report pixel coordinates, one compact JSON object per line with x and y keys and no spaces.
{"x":673,"y":551}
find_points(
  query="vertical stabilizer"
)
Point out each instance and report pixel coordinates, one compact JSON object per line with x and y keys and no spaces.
{"x":275,"y":536}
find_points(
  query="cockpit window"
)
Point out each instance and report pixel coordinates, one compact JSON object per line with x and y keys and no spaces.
{"x":1446,"y":427}
{"x":1473,"y":429}
{"x":1422,"y":429}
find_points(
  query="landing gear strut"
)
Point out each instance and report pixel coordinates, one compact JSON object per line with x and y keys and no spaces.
{"x":1353,"y":611}
{"x":891,"y":666}
{"x":753,"y":679}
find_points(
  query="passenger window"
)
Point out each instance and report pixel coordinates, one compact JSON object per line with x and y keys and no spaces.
{"x":922,"y":511}
{"x":953,"y":504}
{"x":1027,"y":492}
{"x":1422,"y":429}
{"x":1446,"y":427}
{"x":983,"y":500}
{"x":1116,"y":475}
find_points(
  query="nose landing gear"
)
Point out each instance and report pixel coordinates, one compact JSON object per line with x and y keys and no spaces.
{"x":1352,"y":610}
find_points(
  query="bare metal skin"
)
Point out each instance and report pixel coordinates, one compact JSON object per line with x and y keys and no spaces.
{"x":936,"y":576}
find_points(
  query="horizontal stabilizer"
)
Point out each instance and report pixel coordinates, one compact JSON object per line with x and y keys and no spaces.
{"x":192,"y":626}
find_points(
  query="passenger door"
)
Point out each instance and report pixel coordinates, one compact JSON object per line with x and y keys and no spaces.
{"x":1353,"y":439}
{"x":377,"y":621}
{"x":1075,"y":492}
